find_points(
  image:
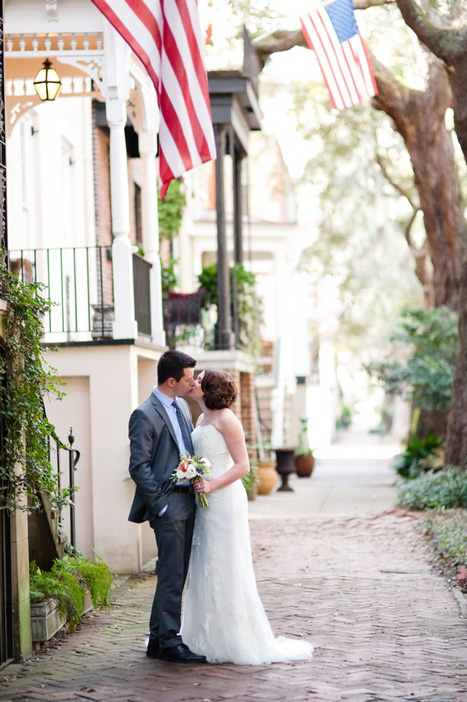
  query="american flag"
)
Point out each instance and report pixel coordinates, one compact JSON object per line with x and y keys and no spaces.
{"x":166,"y":37}
{"x":332,"y":32}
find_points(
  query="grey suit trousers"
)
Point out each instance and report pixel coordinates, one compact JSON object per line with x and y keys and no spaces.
{"x":174,"y":531}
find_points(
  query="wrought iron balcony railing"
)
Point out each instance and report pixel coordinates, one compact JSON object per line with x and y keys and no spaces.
{"x":79,"y":283}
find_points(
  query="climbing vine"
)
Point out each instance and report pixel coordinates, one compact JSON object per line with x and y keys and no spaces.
{"x":171,"y":210}
{"x":25,"y":378}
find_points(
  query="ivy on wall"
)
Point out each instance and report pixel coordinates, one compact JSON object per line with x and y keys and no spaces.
{"x":25,"y":376}
{"x":171,"y":210}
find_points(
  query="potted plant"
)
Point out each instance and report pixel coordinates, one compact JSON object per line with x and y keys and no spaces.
{"x":266,"y":473}
{"x":303,"y":454}
{"x":61,"y":595}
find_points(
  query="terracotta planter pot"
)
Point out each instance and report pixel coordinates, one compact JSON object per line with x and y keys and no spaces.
{"x":304,"y":465}
{"x":267,"y":475}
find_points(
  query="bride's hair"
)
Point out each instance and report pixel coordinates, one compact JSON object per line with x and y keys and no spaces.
{"x":218,"y":388}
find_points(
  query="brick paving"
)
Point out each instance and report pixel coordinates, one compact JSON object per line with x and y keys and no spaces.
{"x":386,"y":626}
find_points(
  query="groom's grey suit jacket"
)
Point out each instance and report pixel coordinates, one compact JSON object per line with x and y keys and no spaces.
{"x":154,"y":455}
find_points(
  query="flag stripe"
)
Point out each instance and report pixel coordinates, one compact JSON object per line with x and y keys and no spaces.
{"x":143,"y":49}
{"x":332,"y":33}
{"x":166,"y":37}
{"x":178,"y":54}
{"x":337,"y":58}
{"x":325,"y":65}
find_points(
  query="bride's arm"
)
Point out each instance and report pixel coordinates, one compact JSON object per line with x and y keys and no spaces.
{"x":232,"y":431}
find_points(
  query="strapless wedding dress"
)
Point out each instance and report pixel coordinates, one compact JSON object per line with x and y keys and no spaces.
{"x":223,"y":617}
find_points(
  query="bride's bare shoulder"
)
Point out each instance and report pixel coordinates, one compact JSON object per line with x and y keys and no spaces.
{"x":199,"y":421}
{"x":227,"y":420}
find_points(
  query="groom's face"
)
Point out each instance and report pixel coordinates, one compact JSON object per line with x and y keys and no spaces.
{"x":185,"y":384}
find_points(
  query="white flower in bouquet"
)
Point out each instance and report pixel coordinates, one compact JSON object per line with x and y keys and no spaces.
{"x":192,"y":468}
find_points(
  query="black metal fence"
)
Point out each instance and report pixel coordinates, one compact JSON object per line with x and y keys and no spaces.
{"x":72,"y":460}
{"x":142,"y":293}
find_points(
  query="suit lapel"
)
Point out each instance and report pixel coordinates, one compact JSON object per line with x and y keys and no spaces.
{"x":159,"y":407}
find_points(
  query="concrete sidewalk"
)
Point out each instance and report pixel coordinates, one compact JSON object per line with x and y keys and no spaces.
{"x":351,"y":477}
{"x":331,"y":569}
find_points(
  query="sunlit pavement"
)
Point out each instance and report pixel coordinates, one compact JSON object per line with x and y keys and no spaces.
{"x":351,"y":477}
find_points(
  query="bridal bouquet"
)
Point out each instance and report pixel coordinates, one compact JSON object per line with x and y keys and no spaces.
{"x":192,"y":468}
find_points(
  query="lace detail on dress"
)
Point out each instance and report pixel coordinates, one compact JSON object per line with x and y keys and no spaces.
{"x":223,"y":617}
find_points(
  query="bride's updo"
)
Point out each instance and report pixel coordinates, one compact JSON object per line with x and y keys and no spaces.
{"x":218,"y":388}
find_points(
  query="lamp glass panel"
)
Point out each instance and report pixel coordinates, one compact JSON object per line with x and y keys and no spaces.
{"x":47,"y":84}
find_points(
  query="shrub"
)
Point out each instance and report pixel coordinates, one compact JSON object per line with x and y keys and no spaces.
{"x":68,"y":580}
{"x":419,"y":456}
{"x":425,"y":344}
{"x":249,"y":303}
{"x":447,"y":532}
{"x":431,"y":490}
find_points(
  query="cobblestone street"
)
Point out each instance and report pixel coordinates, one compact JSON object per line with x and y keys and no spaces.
{"x":355,"y":581}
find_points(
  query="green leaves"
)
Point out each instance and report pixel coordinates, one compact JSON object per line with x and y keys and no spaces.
{"x":413,"y":460}
{"x":68,"y":580}
{"x":249,"y":304}
{"x":447,"y":532}
{"x":25,"y":379}
{"x":424,"y":346}
{"x":171,"y":210}
{"x":447,"y":488}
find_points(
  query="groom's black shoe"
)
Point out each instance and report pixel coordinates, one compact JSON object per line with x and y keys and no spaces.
{"x":179,"y":654}
{"x":153,"y":647}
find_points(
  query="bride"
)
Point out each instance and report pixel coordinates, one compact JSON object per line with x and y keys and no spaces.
{"x":224,"y":618}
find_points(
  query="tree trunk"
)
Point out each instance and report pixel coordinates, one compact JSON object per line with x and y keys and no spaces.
{"x":419,"y":119}
{"x":431,"y":423}
{"x":456,"y":442}
{"x":450,"y":45}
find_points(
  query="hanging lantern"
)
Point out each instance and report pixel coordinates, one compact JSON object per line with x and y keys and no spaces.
{"x":47,"y":83}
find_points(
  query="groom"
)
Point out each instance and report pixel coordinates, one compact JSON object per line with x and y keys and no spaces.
{"x":160,"y":430}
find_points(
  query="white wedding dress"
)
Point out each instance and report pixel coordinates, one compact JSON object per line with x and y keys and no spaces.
{"x":223,"y":617}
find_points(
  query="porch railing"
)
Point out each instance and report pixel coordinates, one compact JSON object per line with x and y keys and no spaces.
{"x":142,"y":293}
{"x":79,"y":282}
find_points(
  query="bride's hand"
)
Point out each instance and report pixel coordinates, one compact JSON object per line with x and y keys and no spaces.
{"x":203,"y":485}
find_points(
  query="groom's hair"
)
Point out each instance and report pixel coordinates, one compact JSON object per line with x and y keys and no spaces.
{"x":172,"y":365}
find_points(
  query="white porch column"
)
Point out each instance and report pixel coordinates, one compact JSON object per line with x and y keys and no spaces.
{"x":116,"y":89}
{"x":124,"y":326}
{"x":150,"y":221}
